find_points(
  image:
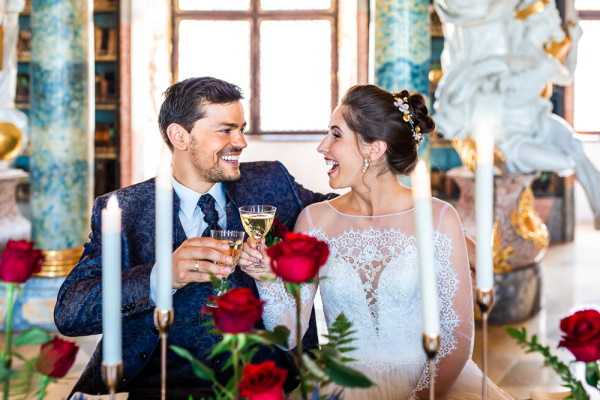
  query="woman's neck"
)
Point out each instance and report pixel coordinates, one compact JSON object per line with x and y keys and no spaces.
{"x":378,"y":196}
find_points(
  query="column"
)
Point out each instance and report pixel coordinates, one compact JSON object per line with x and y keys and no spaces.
{"x":402,"y":45}
{"x":61,"y":130}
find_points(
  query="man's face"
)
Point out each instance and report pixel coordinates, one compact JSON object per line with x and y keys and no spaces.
{"x":217,"y":140}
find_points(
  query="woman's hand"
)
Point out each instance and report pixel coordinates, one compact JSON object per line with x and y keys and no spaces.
{"x":255,"y":262}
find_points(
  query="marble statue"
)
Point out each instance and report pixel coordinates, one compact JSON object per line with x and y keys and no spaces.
{"x":13,"y":123}
{"x":513,"y":49}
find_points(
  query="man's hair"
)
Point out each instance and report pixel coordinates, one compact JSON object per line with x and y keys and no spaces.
{"x":184,"y":102}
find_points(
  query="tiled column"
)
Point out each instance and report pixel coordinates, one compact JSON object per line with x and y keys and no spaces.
{"x":402,"y":45}
{"x":61,"y":129}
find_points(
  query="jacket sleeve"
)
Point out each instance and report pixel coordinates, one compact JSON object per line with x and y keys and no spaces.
{"x":78,"y":309}
{"x":304,"y":196}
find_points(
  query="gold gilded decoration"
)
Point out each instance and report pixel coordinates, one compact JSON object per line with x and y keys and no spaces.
{"x":500,"y":254}
{"x":11,"y":139}
{"x":532,"y":9}
{"x":546,"y":92}
{"x":59,"y":262}
{"x":466,"y":149}
{"x":559,"y":50}
{"x":435,"y":75}
{"x":527,"y":223}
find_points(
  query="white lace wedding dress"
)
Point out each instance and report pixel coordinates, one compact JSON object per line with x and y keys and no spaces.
{"x":372,"y":277}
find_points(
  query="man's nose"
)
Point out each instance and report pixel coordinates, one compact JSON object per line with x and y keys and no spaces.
{"x":239,"y":140}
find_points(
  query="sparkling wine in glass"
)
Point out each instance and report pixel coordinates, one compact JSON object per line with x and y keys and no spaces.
{"x":235,"y":240}
{"x":257,"y":220}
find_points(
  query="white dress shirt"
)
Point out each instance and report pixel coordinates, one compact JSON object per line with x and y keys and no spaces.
{"x":192,"y":217}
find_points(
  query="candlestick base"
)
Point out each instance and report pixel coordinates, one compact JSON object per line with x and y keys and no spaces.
{"x":431,"y":346}
{"x":111,"y":374}
{"x":163,"y":320}
{"x":485,"y":301}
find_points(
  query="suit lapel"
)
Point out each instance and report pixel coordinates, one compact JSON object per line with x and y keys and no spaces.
{"x":178,"y":232}
{"x":231,"y":209}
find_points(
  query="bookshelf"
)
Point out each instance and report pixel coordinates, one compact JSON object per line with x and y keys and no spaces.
{"x":105,"y":32}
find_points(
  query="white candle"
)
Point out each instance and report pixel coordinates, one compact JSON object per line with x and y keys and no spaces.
{"x":484,"y":200}
{"x":111,"y":282}
{"x":164,"y":235}
{"x":421,"y":190}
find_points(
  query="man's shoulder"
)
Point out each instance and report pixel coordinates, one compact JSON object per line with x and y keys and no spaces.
{"x":262,"y":168}
{"x":130,"y":195}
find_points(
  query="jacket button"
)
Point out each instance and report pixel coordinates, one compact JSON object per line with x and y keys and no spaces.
{"x":143,"y":356}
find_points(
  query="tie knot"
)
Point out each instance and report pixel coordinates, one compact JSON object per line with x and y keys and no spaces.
{"x":207,"y":205}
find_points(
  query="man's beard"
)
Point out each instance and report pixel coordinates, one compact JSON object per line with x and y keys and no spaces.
{"x":218,"y":174}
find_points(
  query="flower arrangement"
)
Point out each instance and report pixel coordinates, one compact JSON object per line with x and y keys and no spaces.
{"x":581,"y":336}
{"x":18,"y":262}
{"x":296,"y":259}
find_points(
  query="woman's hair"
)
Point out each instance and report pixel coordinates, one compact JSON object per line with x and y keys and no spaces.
{"x":375,"y":114}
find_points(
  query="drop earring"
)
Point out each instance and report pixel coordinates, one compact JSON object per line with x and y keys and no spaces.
{"x":366,"y":164}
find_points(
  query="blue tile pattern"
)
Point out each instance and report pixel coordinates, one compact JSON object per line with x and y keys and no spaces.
{"x":61,"y":121}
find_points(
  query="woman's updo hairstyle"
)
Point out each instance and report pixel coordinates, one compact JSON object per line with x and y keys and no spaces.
{"x":373,"y":114}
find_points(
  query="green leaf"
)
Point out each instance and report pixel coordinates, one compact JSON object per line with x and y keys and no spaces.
{"x":220,"y":348}
{"x":201,"y":370}
{"x":345,"y":376}
{"x":313,"y":368}
{"x":279,"y":336}
{"x":592,"y":373}
{"x":33,"y":336}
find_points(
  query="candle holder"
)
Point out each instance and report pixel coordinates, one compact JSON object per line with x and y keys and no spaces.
{"x":485,"y":301}
{"x":431,"y":345}
{"x":111,"y":374}
{"x":163,"y":320}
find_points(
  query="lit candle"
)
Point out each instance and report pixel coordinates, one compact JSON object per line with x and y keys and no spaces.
{"x":111,"y":282}
{"x":484,"y":200}
{"x":164,"y":235}
{"x":421,"y":190}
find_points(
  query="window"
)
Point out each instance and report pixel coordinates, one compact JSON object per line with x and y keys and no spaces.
{"x":586,"y":81}
{"x":283,"y":55}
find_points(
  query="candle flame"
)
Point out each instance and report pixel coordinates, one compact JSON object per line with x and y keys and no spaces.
{"x":113,"y":203}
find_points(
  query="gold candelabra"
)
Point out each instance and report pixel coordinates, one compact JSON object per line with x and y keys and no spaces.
{"x":111,"y":373}
{"x":485,"y":301}
{"x":431,"y":345}
{"x":163,"y":320}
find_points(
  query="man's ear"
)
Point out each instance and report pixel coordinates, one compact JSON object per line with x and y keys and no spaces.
{"x":178,"y":136}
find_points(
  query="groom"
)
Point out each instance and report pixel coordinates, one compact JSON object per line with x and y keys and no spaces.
{"x":202,"y":122}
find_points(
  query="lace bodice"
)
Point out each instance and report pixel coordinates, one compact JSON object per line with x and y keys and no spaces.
{"x":372,"y":276}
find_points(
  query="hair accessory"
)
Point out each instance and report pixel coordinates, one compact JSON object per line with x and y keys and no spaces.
{"x":403,"y":106}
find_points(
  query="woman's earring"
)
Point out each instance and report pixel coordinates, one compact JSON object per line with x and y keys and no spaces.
{"x":366,"y":164}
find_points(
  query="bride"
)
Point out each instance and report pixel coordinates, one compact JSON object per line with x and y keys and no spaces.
{"x":372,"y":272}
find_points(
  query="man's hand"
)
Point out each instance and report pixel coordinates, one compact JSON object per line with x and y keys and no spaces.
{"x":198,"y":258}
{"x":255,"y":262}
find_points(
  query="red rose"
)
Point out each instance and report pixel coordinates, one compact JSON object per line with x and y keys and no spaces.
{"x":582,"y":335}
{"x":298,"y":257}
{"x":279,"y":229}
{"x":263,"y":381}
{"x":236,"y":311}
{"x":56,"y":357}
{"x":19,"y":261}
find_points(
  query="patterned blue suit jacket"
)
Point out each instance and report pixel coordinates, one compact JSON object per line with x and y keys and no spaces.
{"x":78,"y":311}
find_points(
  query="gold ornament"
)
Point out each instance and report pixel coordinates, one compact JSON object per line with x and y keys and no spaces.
{"x":11,"y":139}
{"x":59,"y":262}
{"x":466,"y":149}
{"x":532,"y":9}
{"x":500,"y":254}
{"x":527,"y":223}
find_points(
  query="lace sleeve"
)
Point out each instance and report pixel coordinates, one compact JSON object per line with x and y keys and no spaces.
{"x":280,"y":307}
{"x":455,"y":302}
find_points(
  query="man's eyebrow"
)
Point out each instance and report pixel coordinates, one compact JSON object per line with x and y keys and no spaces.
{"x":231,"y":125}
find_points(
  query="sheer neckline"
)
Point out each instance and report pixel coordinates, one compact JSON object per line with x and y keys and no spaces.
{"x":328,"y":202}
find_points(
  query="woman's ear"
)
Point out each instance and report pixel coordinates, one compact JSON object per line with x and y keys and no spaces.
{"x":377,"y":150}
{"x":178,"y":136}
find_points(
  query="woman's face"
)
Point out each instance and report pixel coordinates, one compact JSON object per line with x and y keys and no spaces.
{"x":342,"y":154}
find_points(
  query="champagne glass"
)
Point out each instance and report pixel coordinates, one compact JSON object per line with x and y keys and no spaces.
{"x":257,"y":220}
{"x":235,"y":240}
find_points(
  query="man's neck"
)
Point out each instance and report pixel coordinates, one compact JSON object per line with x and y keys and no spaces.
{"x":191,"y":179}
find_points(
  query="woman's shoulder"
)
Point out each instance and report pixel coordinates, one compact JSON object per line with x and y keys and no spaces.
{"x":316,"y":215}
